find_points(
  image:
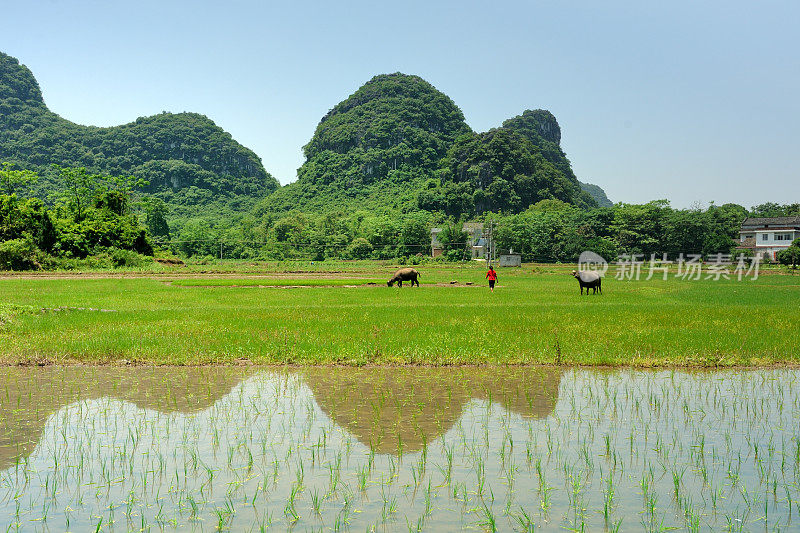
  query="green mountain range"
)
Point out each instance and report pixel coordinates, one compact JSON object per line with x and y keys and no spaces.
{"x":187,"y":159}
{"x":396,"y":145}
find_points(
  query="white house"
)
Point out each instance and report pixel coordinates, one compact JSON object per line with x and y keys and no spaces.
{"x":768,"y":236}
{"x":476,"y":240}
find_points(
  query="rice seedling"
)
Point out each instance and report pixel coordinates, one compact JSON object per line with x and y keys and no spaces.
{"x":221,"y":456}
{"x":290,"y":510}
{"x":489,"y":520}
{"x":608,"y":499}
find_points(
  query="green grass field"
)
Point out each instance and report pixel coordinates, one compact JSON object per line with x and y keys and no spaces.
{"x":535,"y":316}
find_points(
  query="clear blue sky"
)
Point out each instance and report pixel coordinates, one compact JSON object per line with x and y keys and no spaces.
{"x":684,"y":100}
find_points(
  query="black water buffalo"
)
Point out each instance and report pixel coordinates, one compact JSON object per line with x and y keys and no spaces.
{"x":404,"y":274}
{"x":590,"y":280}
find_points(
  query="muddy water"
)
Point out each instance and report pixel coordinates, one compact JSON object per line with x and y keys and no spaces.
{"x":398,"y":449}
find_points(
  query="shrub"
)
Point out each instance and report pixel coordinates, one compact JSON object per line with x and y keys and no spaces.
{"x":127,"y":258}
{"x":114,"y":258}
{"x":101,"y":261}
{"x":21,"y":219}
{"x":360,"y":248}
{"x":19,"y":254}
{"x":790,"y":256}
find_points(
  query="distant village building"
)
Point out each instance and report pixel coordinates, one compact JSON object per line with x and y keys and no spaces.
{"x":476,"y":241}
{"x":437,"y":248}
{"x":510,"y":260}
{"x":768,"y":236}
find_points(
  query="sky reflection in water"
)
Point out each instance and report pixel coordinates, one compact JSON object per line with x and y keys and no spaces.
{"x":397,"y":448}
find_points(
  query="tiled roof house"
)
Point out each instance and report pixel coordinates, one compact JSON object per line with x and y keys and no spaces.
{"x":768,"y":236}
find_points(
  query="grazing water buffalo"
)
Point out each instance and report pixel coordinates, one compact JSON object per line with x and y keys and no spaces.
{"x":590,"y":280}
{"x":404,"y":274}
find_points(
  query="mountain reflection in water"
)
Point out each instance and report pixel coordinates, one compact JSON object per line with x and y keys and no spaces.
{"x":30,"y":395}
{"x":390,"y":409}
{"x":238,"y":449}
{"x":399,"y":409}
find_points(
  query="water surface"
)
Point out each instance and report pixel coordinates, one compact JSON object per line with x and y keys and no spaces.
{"x":398,"y":449}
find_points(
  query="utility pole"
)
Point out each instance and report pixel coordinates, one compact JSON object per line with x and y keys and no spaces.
{"x":490,"y":240}
{"x":494,"y":250}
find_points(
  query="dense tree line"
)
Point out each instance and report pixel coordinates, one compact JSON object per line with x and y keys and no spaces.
{"x":105,"y":221}
{"x":90,"y":224}
{"x":548,"y":231}
{"x":554,"y":231}
{"x":297,"y":235}
{"x":771,"y":209}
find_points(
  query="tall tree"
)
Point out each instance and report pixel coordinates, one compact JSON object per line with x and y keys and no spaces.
{"x":11,"y":179}
{"x":156,"y":214}
{"x":79,"y":188}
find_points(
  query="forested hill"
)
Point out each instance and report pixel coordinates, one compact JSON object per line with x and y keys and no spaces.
{"x":399,"y":144}
{"x":541,"y":128}
{"x":187,"y":159}
{"x":376,"y":147}
{"x":597,"y":193}
{"x":505,"y":169}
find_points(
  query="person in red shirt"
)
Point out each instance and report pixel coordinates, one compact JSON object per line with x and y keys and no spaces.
{"x":492,"y":277}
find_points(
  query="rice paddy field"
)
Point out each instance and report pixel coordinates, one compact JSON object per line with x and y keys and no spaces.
{"x":316,"y":398}
{"x":347,"y":315}
{"x":398,"y":449}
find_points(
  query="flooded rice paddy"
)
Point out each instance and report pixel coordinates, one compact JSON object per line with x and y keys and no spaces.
{"x":398,"y":449}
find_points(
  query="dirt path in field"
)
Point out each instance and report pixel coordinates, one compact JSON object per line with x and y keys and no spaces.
{"x":467,"y":285}
{"x":167,"y":276}
{"x":288,"y":285}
